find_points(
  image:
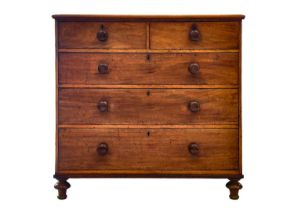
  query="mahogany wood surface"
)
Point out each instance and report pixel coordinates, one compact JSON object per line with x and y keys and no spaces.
{"x":135,"y":106}
{"x":84,"y":35}
{"x":83,"y":86}
{"x":213,"y":35}
{"x":128,"y":69}
{"x":210,"y":126}
{"x":148,"y":96}
{"x":140,"y":18}
{"x":147,"y":50}
{"x":144,"y":149}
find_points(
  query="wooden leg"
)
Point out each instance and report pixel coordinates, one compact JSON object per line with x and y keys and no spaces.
{"x":234,"y":187}
{"x":62,"y":185}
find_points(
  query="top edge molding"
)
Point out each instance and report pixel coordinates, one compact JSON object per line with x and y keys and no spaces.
{"x":79,"y":17}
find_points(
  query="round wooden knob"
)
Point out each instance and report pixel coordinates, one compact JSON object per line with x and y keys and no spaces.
{"x":102,"y":35}
{"x":193,"y":149}
{"x":102,"y":149}
{"x":103,"y":106}
{"x":194,"y":68}
{"x":194,"y":33}
{"x":194,"y":106}
{"x":103,"y":68}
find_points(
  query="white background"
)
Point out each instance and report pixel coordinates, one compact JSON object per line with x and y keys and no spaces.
{"x":27,"y":111}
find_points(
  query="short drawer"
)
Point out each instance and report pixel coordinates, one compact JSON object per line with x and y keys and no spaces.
{"x":140,"y":149}
{"x":122,"y":35}
{"x":198,"y":35}
{"x":148,"y":106}
{"x":156,"y":68}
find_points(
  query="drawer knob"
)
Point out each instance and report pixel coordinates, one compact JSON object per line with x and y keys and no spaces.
{"x":194,"y":106}
{"x":102,"y":35}
{"x":103,"y":68}
{"x":194,"y":68}
{"x":102,"y":149}
{"x":194,"y":33}
{"x":103,"y":106}
{"x":193,"y":149}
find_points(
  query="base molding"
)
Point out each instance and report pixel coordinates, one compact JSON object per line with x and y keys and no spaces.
{"x":148,"y":175}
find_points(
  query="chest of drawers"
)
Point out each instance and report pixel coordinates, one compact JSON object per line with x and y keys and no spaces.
{"x":148,"y":96}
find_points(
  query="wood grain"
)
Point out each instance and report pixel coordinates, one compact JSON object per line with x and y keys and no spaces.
{"x":120,"y":35}
{"x":82,"y":86}
{"x":240,"y":101}
{"x":72,"y":50}
{"x":151,"y":18}
{"x":149,"y":126}
{"x":163,"y":149}
{"x":149,"y":173}
{"x":128,"y":106}
{"x":214,"y":35}
{"x":56,"y":94}
{"x":135,"y":69}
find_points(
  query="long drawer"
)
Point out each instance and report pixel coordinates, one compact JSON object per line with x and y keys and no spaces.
{"x":154,"y":149}
{"x":153,"y":68}
{"x":148,"y":106}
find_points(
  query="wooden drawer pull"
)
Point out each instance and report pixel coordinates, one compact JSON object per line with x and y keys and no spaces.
{"x":103,"y":68}
{"x":102,"y":35}
{"x":194,"y":106}
{"x":193,"y":149}
{"x":103,"y":106}
{"x":102,"y":149}
{"x":194,"y":33}
{"x":194,"y":68}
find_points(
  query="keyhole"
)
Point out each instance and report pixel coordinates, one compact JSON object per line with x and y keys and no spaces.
{"x":148,"y":93}
{"x":148,"y":57}
{"x":148,"y":133}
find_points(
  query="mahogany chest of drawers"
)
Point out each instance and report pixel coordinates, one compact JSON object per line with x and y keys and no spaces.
{"x":148,"y":96}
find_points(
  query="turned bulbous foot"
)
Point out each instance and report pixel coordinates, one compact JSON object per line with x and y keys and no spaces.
{"x":234,"y":186}
{"x":62,"y":185}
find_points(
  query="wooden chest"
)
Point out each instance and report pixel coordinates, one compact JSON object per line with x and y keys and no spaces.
{"x":148,"y":96}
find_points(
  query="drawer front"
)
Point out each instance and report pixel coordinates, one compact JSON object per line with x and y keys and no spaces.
{"x":132,"y":69}
{"x":198,"y":35}
{"x":140,"y":149}
{"x":123,"y":35}
{"x":143,"y":106}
